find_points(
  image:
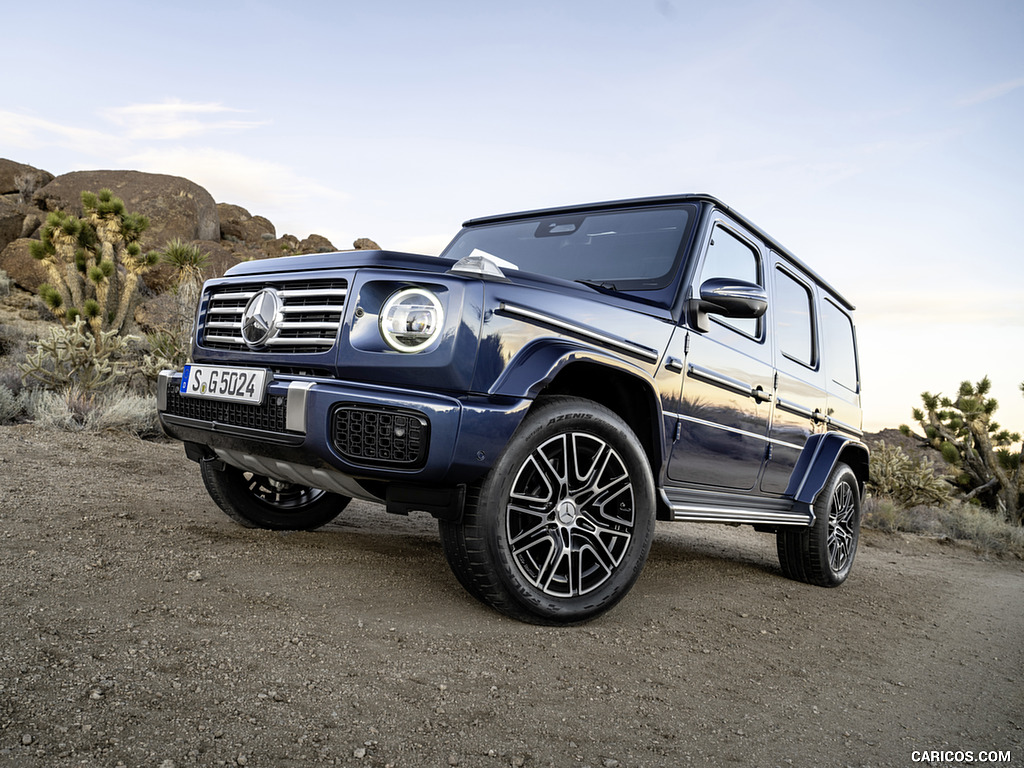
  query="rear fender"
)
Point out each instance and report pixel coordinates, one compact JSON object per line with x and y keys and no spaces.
{"x":820,"y":456}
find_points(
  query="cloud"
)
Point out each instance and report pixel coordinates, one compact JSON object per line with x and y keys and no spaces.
{"x":990,"y":93}
{"x":174,"y":119}
{"x":30,"y":132}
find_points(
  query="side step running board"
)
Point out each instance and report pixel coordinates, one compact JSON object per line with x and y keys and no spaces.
{"x":712,"y":508}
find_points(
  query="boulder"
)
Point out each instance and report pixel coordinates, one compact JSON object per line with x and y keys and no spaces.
{"x":237,"y":224}
{"x":316,"y":244}
{"x":176,"y":207}
{"x":285,"y":245}
{"x":21,"y":179}
{"x":21,"y":268}
{"x":12,"y":221}
{"x":365,"y":244}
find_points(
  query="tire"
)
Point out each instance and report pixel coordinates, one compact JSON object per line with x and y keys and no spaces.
{"x":559,"y":529}
{"x":823,"y":554}
{"x":256,"y":501}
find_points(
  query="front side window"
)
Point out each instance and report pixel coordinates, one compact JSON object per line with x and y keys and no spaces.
{"x":729,"y":256}
{"x":794,"y":319}
{"x":628,"y":250}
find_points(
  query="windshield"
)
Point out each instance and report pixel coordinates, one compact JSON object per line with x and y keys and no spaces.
{"x":631,"y":250}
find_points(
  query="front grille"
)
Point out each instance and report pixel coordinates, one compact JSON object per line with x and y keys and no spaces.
{"x":310,"y":315}
{"x":381,"y":436}
{"x":270,"y":416}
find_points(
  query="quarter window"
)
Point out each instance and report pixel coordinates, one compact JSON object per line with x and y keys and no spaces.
{"x":794,"y":319}
{"x":840,"y":349}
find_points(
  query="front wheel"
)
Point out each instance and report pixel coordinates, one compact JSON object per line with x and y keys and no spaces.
{"x":823,"y":554}
{"x":256,"y":501}
{"x":560,"y":528}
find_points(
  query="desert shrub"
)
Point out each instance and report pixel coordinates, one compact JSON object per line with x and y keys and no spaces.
{"x":12,"y":341}
{"x":74,"y":357}
{"x":55,"y":410}
{"x":171,"y":343}
{"x":906,"y":481}
{"x":957,"y":521}
{"x":74,"y":409}
{"x":885,"y":514}
{"x":10,"y":406}
{"x":881,"y":514}
{"x":12,"y":350}
{"x":5,"y":283}
{"x":969,"y":522}
{"x":125,"y":411}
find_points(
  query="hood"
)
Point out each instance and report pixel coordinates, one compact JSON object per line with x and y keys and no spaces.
{"x":341,"y":260}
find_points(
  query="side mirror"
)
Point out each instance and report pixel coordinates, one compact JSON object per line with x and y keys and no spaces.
{"x":730,"y":298}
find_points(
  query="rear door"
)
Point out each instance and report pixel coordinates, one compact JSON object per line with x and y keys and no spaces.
{"x":800,"y":406}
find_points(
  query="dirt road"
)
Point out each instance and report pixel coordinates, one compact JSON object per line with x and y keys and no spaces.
{"x":140,"y":627}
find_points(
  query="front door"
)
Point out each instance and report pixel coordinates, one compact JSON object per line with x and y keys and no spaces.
{"x":728,"y":379}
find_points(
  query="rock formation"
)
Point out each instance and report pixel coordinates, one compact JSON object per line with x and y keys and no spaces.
{"x":176,"y":208}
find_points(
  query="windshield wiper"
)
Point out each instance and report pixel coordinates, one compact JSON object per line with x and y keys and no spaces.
{"x":601,"y":285}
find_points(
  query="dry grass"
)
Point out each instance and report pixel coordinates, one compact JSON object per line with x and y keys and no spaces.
{"x":116,"y":410}
{"x":956,"y":520}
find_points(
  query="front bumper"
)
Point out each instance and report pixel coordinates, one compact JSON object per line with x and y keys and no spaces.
{"x":336,"y":433}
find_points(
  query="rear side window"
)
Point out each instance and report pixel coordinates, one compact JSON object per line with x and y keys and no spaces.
{"x":794,"y":319}
{"x":729,"y":256}
{"x":839,"y":347}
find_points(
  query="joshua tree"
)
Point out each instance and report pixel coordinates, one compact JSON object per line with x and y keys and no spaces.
{"x":171,"y":343}
{"x":963,"y":430}
{"x":94,"y":262}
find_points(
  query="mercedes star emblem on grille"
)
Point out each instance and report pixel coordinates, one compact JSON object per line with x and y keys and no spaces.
{"x":260,"y":318}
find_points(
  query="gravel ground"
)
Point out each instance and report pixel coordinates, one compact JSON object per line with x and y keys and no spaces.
{"x":141,"y":627}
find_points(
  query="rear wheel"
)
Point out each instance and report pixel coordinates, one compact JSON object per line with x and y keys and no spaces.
{"x":559,"y":530}
{"x":823,"y":554}
{"x":257,"y":501}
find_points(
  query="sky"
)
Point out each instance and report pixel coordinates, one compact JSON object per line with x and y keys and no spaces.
{"x":881,"y":142}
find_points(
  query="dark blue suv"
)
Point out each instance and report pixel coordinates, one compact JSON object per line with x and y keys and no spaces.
{"x":547,"y":388}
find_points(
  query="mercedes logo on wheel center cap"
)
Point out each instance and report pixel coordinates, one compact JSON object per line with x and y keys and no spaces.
{"x":260,"y":318}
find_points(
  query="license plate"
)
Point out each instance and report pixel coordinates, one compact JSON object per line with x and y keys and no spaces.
{"x":215,"y":382}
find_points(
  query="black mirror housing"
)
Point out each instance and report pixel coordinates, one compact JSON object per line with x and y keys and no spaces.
{"x":730,"y":298}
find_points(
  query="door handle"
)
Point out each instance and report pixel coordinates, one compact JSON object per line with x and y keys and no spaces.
{"x":759,"y":395}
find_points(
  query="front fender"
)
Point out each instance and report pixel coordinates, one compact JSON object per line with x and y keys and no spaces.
{"x":820,"y":456}
{"x":539,"y":362}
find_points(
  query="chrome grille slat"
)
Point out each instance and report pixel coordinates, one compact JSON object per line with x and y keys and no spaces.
{"x":313,"y":309}
{"x":301,"y":292}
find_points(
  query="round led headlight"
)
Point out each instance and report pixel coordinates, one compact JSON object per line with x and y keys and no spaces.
{"x":411,"y":319}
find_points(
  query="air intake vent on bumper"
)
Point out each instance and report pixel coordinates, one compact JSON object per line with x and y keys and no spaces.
{"x":381,"y":436}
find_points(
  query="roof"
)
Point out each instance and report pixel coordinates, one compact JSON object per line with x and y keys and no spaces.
{"x":639,"y":202}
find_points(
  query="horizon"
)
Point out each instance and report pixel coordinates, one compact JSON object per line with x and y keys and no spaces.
{"x":879,"y":143}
